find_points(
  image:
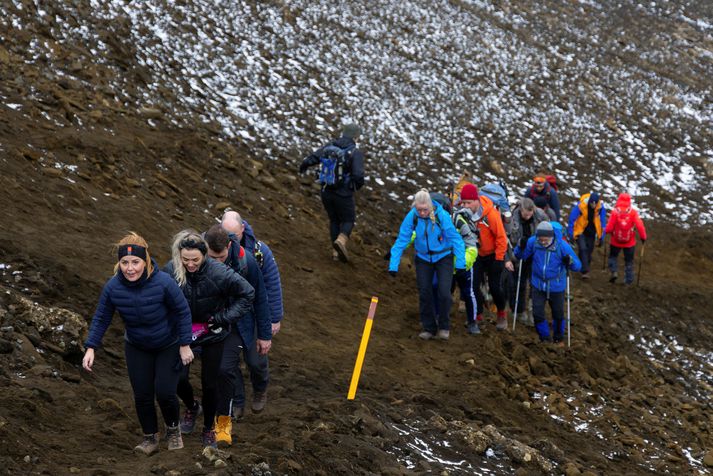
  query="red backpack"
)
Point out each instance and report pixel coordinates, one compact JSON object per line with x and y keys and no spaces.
{"x":624,"y":225}
{"x":552,"y":180}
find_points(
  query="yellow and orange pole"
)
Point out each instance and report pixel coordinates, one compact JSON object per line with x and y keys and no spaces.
{"x":362,"y":348}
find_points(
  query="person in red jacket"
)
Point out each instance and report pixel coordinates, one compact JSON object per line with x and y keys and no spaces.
{"x":492,"y":246}
{"x":624,"y":219}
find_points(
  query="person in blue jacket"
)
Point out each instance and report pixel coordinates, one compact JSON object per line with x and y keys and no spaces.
{"x":157,"y":338}
{"x":436,"y":240}
{"x":551,"y":258}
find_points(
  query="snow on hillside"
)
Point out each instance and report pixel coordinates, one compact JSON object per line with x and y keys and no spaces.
{"x":439,"y":87}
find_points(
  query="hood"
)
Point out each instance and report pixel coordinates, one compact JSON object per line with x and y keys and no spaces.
{"x":344,"y":142}
{"x":624,"y":201}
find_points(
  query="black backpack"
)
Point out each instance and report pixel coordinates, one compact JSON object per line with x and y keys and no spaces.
{"x":443,"y":201}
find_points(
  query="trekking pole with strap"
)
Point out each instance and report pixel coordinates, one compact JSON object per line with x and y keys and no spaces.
{"x":517,"y":295}
{"x":641,"y":261}
{"x":569,"y":334}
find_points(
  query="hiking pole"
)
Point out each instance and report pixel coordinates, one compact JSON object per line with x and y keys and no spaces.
{"x":517,"y":295}
{"x":362,"y":349}
{"x":641,"y":261}
{"x":569,"y":335}
{"x":604,"y":254}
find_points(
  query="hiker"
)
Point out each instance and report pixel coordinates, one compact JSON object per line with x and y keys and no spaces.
{"x":542,"y":188}
{"x":542,"y":205}
{"x":436,"y":241}
{"x":621,"y":226}
{"x":587,"y":222}
{"x":551,"y":257}
{"x":242,"y":336}
{"x":526,"y":217}
{"x":341,"y":174}
{"x":156,"y":337}
{"x":465,"y":280}
{"x":257,"y":363}
{"x":218,"y":298}
{"x":493,"y":245}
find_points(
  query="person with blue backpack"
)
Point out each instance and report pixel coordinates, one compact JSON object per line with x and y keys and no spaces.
{"x":341,"y":173}
{"x":552,"y":257}
{"x":436,"y":241}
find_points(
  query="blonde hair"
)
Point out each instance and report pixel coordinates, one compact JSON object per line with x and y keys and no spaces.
{"x":195,"y":241}
{"x":133,"y":238}
{"x":422,"y":197}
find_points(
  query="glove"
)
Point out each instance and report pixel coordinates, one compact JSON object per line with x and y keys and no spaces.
{"x":218,"y":320}
{"x":303,"y":168}
{"x":600,"y":243}
{"x":566,"y":260}
{"x":643,"y":242}
{"x":387,"y":256}
{"x":522,"y":243}
{"x":393,"y":273}
{"x":460,"y":272}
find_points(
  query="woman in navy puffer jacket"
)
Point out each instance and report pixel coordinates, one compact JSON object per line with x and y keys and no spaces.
{"x":157,"y":338}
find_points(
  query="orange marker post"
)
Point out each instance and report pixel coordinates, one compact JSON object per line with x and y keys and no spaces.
{"x":362,"y":348}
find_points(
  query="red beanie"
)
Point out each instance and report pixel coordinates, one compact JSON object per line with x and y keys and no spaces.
{"x":469,"y":192}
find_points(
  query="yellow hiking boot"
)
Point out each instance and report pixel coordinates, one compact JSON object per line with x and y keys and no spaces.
{"x":223,"y":430}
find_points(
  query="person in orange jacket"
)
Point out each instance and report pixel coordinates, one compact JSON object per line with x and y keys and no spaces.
{"x":622,"y":222}
{"x":492,"y":246}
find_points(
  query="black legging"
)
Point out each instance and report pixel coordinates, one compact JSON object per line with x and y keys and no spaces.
{"x":212,"y":383}
{"x":341,"y":211}
{"x":483,"y":265}
{"x":154,"y":374}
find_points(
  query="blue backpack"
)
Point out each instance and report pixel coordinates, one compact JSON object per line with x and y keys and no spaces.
{"x":332,"y":164}
{"x":498,"y":195}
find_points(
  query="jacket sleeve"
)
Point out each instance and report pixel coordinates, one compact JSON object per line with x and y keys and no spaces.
{"x":453,"y":237}
{"x":501,"y":238}
{"x":640,"y":227}
{"x":102,"y":318}
{"x":603,"y":220}
{"x":273,"y":284}
{"x":176,"y":302}
{"x":260,"y":304}
{"x":555,"y":202}
{"x":241,"y":295}
{"x":575,"y":264}
{"x":313,"y":158}
{"x":357,"y":169}
{"x":576,"y":213}
{"x":402,"y":241}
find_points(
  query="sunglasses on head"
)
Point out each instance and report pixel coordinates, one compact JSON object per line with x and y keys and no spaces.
{"x":540,"y":182}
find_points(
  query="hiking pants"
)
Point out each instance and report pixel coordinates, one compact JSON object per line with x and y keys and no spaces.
{"x":154,"y":375}
{"x":258,"y":366}
{"x":213,"y":383}
{"x":443,"y":269}
{"x":486,"y":265}
{"x":556,"y":301}
{"x":341,"y":211}
{"x":585,"y":248}
{"x":512,"y":285}
{"x":628,"y":261}
{"x":465,"y":284}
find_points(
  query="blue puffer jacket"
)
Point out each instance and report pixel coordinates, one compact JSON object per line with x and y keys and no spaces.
{"x":153,"y":309}
{"x":548,"y":272}
{"x":433,"y":242}
{"x":270,"y":272}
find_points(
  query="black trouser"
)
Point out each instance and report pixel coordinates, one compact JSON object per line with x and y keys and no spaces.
{"x":585,"y":248}
{"x":212,"y":382}
{"x":258,"y":366}
{"x":512,"y":285}
{"x":154,"y":374}
{"x":341,"y":211}
{"x":487,"y":265}
{"x":628,"y":261}
{"x":556,"y":301}
{"x":443,"y":269}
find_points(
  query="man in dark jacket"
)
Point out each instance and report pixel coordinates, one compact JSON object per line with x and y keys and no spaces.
{"x":341,"y":174}
{"x":541,"y":188}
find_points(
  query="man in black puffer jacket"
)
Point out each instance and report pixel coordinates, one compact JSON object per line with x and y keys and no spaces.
{"x":341,"y":174}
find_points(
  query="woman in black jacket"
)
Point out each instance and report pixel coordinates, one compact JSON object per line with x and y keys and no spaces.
{"x":218,"y":298}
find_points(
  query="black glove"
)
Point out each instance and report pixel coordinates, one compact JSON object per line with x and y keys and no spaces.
{"x":566,"y":260}
{"x":303,"y":167}
{"x":392,"y":273}
{"x":219,"y":319}
{"x":600,"y":243}
{"x":387,"y":256}
{"x":643,"y":242}
{"x":460,"y":272}
{"x":523,"y":243}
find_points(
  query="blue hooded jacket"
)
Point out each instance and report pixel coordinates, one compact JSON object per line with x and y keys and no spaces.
{"x":433,"y":242}
{"x":154,"y":310}
{"x":548,"y":272}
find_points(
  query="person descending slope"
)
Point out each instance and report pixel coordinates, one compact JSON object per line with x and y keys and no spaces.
{"x":624,"y":219}
{"x":551,"y":257}
{"x":435,"y":242}
{"x":586,"y":227}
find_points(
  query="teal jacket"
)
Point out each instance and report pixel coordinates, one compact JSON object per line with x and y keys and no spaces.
{"x":433,"y":241}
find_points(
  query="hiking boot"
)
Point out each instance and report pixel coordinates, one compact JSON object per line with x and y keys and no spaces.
{"x":614,"y":276}
{"x":208,"y":438}
{"x":585,"y":275}
{"x":173,"y":435}
{"x":188,"y":422}
{"x":335,"y":255}
{"x":528,"y":320}
{"x":238,"y":412}
{"x":443,"y":334}
{"x":473,"y":328}
{"x":340,"y":246}
{"x":148,"y":446}
{"x":425,"y":335}
{"x":502,"y":321}
{"x":259,"y":401}
{"x":223,"y":431}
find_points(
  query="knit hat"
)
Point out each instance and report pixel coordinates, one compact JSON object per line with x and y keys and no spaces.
{"x":593,"y":198}
{"x":352,"y":131}
{"x":545,"y":229}
{"x":469,"y":192}
{"x":540,"y":201}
